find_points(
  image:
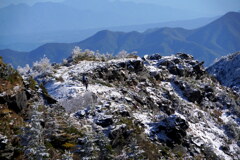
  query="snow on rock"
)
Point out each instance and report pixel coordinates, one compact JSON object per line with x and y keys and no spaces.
{"x":227,"y":71}
{"x":168,"y":101}
{"x":145,"y":119}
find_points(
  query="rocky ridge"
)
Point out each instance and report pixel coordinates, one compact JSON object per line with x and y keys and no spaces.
{"x":135,"y":108}
{"x":227,"y":71}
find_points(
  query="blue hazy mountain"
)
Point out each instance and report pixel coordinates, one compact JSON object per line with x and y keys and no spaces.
{"x":206,"y":43}
{"x":49,"y":16}
{"x":30,"y":41}
{"x":24,"y":27}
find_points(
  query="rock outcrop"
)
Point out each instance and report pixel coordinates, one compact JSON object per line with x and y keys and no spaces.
{"x":153,"y":107}
{"x":227,"y":71}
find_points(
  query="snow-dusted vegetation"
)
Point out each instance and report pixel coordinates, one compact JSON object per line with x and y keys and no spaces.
{"x":155,"y":107}
{"x":227,"y":70}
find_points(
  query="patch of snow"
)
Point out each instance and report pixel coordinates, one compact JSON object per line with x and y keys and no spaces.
{"x":208,"y":134}
{"x":144,"y":118}
{"x":16,"y":88}
{"x":3,"y":94}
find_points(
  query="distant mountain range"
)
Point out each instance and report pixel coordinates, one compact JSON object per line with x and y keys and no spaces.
{"x":82,"y":14}
{"x":30,"y":41}
{"x":25,"y":27}
{"x":211,"y":41}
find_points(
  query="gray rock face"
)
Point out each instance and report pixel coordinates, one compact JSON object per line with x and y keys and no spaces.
{"x":104,"y":121}
{"x":3,"y":142}
{"x":15,"y":102}
{"x":171,"y":130}
{"x":154,"y":57}
{"x":227,"y":71}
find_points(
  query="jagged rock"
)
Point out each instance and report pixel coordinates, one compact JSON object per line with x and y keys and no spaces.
{"x":104,"y":120}
{"x":118,"y":133}
{"x":80,"y":114}
{"x":193,"y":95}
{"x":170,"y":130}
{"x":122,"y":65}
{"x":157,"y":75}
{"x":225,"y":149}
{"x":6,"y":149}
{"x":174,"y":70}
{"x":16,"y":102}
{"x":139,"y":99}
{"x":165,"y":105}
{"x":28,"y":94}
{"x":124,"y":113}
{"x":154,"y":57}
{"x":107,"y":105}
{"x":199,"y":69}
{"x":3,"y":142}
{"x":135,"y":65}
{"x":208,"y":104}
{"x":132,"y":110}
{"x":49,"y":99}
{"x":227,"y":70}
{"x":184,"y":56}
{"x":166,"y":63}
{"x":122,"y":110}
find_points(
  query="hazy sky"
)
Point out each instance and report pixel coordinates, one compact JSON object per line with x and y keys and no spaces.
{"x":210,"y":6}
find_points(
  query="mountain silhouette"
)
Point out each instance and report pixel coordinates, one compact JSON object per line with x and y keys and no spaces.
{"x":211,"y":41}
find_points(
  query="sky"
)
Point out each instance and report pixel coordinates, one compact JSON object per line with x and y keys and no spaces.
{"x":211,"y":6}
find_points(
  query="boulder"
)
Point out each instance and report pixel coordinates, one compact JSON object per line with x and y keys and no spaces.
{"x":80,"y":114}
{"x":16,"y":102}
{"x":165,"y":106}
{"x":156,"y":56}
{"x":118,"y":135}
{"x":3,"y":142}
{"x":193,"y":95}
{"x":139,"y":100}
{"x":198,"y":69}
{"x":184,"y":56}
{"x":171,"y":130}
{"x":135,"y":65}
{"x":119,"y":130}
{"x":49,"y":99}
{"x":122,"y":65}
{"x":104,"y":120}
{"x":166,"y":63}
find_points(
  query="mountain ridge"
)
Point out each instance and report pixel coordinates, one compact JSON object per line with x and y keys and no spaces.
{"x":44,"y":18}
{"x":227,"y":70}
{"x":164,"y":107}
{"x":219,"y":41}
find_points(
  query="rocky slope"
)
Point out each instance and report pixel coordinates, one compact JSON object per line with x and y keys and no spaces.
{"x":150,"y":108}
{"x":227,"y":71}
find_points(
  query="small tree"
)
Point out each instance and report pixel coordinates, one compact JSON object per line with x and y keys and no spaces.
{"x":42,"y":67}
{"x":65,"y":61}
{"x":109,"y":56}
{"x":89,"y":53}
{"x":76,"y":52}
{"x":122,"y":54}
{"x":24,"y":70}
